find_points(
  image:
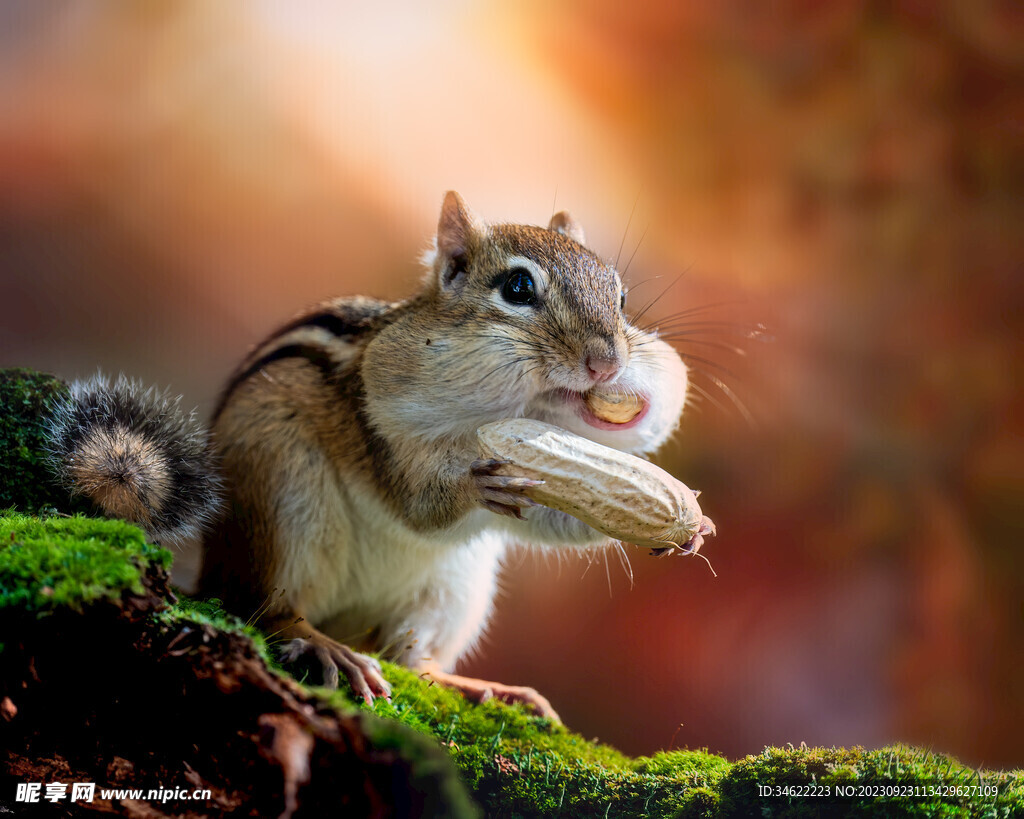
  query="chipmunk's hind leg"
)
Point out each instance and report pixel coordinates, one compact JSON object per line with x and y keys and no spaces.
{"x":477,"y":690}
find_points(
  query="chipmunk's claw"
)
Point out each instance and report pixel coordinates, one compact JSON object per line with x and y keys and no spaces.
{"x":362,"y":672}
{"x":501,"y":494}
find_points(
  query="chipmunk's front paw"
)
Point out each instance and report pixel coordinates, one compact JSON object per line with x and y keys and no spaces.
{"x":329,"y":657}
{"x":499,"y":493}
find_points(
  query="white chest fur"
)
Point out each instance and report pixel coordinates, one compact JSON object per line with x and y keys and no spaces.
{"x":427,"y":596}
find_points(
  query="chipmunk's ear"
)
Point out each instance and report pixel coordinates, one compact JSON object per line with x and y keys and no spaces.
{"x":563,"y":223}
{"x":457,"y":231}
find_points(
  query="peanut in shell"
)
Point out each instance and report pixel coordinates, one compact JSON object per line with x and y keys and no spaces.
{"x":618,"y":494}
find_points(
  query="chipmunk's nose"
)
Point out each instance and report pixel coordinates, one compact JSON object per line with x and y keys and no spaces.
{"x":604,"y":358}
{"x":601,"y":368}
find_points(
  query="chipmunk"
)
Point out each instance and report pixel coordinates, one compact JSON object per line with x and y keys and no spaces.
{"x":349,"y":506}
{"x":359,"y":516}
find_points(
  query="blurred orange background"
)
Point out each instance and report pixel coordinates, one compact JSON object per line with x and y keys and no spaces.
{"x":836,"y":186}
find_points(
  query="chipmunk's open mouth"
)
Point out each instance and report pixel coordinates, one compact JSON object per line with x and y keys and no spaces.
{"x":606,"y":410}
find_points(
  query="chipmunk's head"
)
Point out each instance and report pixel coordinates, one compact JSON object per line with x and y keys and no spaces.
{"x":550,"y":314}
{"x":541,"y":291}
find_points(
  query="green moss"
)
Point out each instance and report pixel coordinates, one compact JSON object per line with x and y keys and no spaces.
{"x":26,"y":481}
{"x":516,"y":764}
{"x":893,"y":781}
{"x":53,"y":562}
{"x":519,"y":765}
{"x":74,"y":562}
{"x":210,"y":613}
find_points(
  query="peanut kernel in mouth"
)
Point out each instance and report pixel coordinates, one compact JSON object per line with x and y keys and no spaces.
{"x":614,"y":407}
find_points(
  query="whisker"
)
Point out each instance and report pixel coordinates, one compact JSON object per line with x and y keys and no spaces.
{"x":710,"y":398}
{"x":701,"y":307}
{"x":704,"y":325}
{"x":717,"y":345}
{"x":643,"y":235}
{"x":625,"y":233}
{"x":642,"y":282}
{"x":659,"y":297}
{"x":737,"y":402}
{"x":708,"y":363}
{"x":503,"y":365}
{"x":524,"y":373}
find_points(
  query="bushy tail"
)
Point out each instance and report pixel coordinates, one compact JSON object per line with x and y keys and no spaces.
{"x":136,"y":455}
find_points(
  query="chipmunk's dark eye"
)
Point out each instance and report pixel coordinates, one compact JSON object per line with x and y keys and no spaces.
{"x":622,"y":299}
{"x":519,"y":288}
